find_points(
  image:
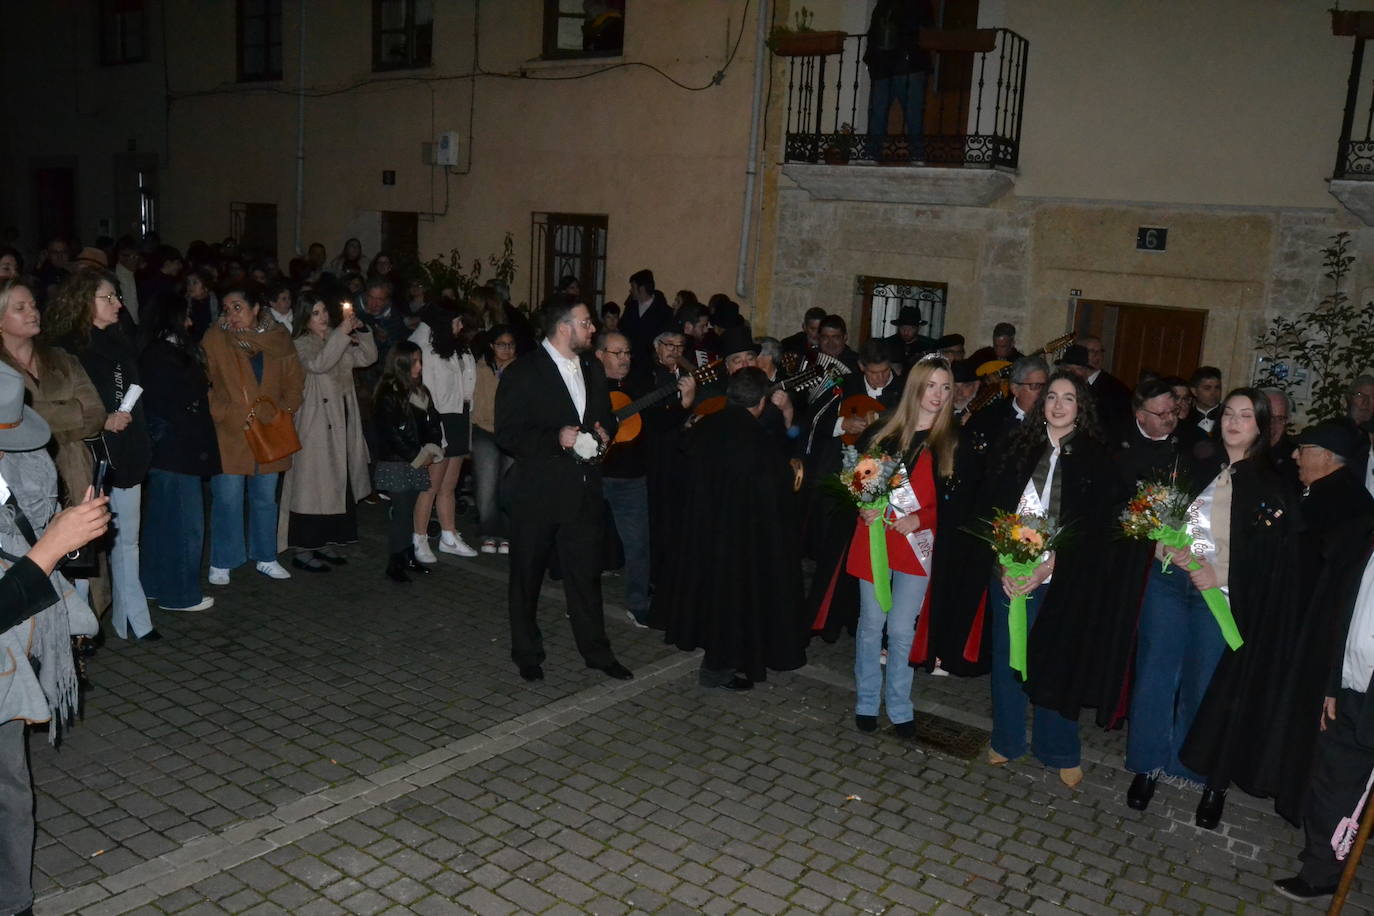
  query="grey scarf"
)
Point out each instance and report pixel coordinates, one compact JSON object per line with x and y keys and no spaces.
{"x":38,"y":681}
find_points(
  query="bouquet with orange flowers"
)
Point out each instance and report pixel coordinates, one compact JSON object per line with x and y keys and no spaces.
{"x":1159,"y":512}
{"x":1022,"y":541}
{"x":866,"y":480}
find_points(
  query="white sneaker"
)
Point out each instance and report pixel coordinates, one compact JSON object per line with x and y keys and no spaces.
{"x":422,"y":551}
{"x":203,"y":605}
{"x":504,"y":548}
{"x":452,"y":542}
{"x":273,"y":570}
{"x":489,"y":545}
{"x":219,"y":576}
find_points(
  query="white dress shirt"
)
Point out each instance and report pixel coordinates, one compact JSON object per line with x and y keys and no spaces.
{"x":1369,"y":474}
{"x":1358,"y":663}
{"x":874,"y":393}
{"x":571,"y":371}
{"x":128,"y":288}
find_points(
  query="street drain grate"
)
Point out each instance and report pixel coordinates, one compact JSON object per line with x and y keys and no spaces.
{"x":949,"y":737}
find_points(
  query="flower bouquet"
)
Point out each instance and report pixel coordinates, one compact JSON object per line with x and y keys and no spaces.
{"x":1023,"y":542}
{"x":1159,"y":512}
{"x":866,"y":480}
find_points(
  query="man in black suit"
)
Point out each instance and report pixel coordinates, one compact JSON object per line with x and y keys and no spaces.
{"x":644,"y":316}
{"x":805,"y":342}
{"x":1148,"y":447}
{"x":1113,"y":395}
{"x":1206,"y":387}
{"x":546,"y":401}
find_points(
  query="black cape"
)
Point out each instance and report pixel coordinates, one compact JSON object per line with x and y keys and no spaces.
{"x":737,"y":592}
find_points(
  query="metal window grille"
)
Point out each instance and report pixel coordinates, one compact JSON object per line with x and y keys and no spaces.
{"x":402,"y":34}
{"x":259,"y":44}
{"x":883,"y":299}
{"x":563,"y":244}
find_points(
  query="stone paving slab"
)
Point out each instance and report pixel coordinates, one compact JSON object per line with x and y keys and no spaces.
{"x":336,"y":744}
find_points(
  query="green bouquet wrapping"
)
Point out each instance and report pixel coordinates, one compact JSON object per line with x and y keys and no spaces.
{"x":866,"y":480}
{"x":1023,"y":542}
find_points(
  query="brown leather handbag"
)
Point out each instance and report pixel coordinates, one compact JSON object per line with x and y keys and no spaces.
{"x":271,"y":441}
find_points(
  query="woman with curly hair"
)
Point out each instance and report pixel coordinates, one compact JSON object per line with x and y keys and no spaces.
{"x":253,"y":369}
{"x":83,"y":317}
{"x":1054,"y":465}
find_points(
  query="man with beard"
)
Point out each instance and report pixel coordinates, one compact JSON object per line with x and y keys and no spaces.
{"x":744,"y":611}
{"x":546,"y":402}
{"x":908,"y":344}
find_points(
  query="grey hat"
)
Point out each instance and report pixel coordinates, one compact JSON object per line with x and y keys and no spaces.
{"x":21,"y":428}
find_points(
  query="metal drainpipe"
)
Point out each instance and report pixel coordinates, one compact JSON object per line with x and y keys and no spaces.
{"x":751,"y":169}
{"x":300,"y":140}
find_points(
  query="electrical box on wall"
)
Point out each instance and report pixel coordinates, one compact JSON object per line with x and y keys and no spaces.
{"x":446,"y":148}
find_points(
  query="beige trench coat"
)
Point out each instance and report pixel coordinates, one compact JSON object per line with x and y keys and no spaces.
{"x":333,"y":456}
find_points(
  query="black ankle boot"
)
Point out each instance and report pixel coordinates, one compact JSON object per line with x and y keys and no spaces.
{"x":1141,"y":791}
{"x":414,"y":565}
{"x":396,"y":568}
{"x":1209,"y":808}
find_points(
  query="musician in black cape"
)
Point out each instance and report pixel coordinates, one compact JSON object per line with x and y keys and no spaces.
{"x":663,"y":462}
{"x":745,"y":612}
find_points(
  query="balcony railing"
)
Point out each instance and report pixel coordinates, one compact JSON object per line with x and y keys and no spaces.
{"x":1355,"y":152}
{"x":973,"y":100}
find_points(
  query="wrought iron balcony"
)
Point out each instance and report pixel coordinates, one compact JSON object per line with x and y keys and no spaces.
{"x":1355,"y":151}
{"x":973,"y":101}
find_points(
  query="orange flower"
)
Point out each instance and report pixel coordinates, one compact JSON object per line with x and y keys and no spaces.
{"x":864,"y":470}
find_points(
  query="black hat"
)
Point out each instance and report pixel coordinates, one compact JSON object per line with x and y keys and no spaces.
{"x":1076,"y":355}
{"x":1333,"y":435}
{"x":964,"y":371}
{"x":737,"y":339}
{"x":726,"y":315}
{"x":909,"y":315}
{"x":949,"y":341}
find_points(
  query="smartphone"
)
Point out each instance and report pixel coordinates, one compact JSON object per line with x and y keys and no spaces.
{"x":102,"y":470}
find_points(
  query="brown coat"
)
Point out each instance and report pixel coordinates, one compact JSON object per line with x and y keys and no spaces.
{"x":234,"y":389}
{"x":65,"y":397}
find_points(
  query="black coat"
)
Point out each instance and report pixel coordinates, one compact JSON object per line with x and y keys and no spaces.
{"x":177,"y":395}
{"x":641,"y":327}
{"x":402,"y":428}
{"x":737,"y":594}
{"x":1113,"y":400}
{"x":111,"y":360}
{"x":1230,"y":737}
{"x":532,"y":405}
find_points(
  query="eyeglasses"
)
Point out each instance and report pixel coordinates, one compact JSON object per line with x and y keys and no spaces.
{"x":1161,"y":414}
{"x":616,"y":352}
{"x":1033,"y":386}
{"x":582,"y":322}
{"x":671,"y":346}
{"x":504,"y":344}
{"x":110,"y":297}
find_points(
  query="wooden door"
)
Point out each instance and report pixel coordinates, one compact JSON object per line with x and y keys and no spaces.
{"x":1167,"y":341}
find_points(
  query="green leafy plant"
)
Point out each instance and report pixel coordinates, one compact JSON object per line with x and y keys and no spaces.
{"x":802,"y":20}
{"x":449,"y":273}
{"x":1334,"y":341}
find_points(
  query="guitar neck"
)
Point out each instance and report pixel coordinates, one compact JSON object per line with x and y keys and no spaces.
{"x":648,"y":400}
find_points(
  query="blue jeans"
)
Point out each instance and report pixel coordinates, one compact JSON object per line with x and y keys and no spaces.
{"x":130,"y":604}
{"x":1177,"y":650}
{"x":489,"y":467}
{"x":226,"y":519}
{"x":1056,"y":737}
{"x":16,"y":813}
{"x":628,"y":498}
{"x":175,"y":538}
{"x":908,"y":592}
{"x":910,"y":92}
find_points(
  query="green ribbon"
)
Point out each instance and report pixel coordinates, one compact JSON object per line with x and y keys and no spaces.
{"x":1215,"y":598}
{"x":877,"y":554}
{"x":1017,"y":571}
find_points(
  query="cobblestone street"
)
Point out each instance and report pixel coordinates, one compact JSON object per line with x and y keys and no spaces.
{"x":340,"y":744}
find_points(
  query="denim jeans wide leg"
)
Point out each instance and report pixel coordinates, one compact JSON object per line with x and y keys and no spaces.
{"x":130,"y":615}
{"x":262,"y":518}
{"x":892,"y":687}
{"x":173,"y":538}
{"x":1056,"y":737}
{"x":489,"y":466}
{"x":226,"y":521}
{"x":1177,"y":651}
{"x":629,"y":502}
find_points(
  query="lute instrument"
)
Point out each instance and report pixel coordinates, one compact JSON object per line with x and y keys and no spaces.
{"x":627,"y":410}
{"x":995,"y":374}
{"x":803,"y":380}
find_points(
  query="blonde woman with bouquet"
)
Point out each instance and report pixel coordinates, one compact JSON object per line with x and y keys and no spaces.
{"x":892,"y":476}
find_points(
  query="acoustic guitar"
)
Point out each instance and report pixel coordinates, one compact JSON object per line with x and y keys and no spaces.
{"x":859,"y":405}
{"x":627,"y":411}
{"x":995,"y":374}
{"x":807,"y":378}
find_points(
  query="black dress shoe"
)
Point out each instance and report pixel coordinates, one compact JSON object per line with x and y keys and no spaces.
{"x":310,"y":565}
{"x":1209,"y":808}
{"x":866,"y":723}
{"x":905,"y":730}
{"x":332,"y":559}
{"x":1295,"y":888}
{"x":1141,"y":791}
{"x":396,"y":568}
{"x":616,"y":670}
{"x":738,"y":683}
{"x":532,"y":672}
{"x":151,"y":636}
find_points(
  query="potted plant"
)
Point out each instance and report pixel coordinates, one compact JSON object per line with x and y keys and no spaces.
{"x":836,"y":152}
{"x":804,"y":41}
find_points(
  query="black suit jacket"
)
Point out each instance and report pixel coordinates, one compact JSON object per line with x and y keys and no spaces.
{"x":1341,"y":587}
{"x":641,"y":327}
{"x":532,"y":405}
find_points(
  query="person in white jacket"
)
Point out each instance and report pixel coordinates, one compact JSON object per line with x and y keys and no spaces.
{"x":450,"y":374}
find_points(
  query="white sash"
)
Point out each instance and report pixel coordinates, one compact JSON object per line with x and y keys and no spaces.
{"x":903,"y":502}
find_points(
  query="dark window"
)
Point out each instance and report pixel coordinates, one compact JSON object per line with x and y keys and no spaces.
{"x":882,"y":299}
{"x":402,"y":34}
{"x":259,"y":40}
{"x":123,"y":32}
{"x":574,"y":28}
{"x":254,"y":227}
{"x":569,"y":244}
